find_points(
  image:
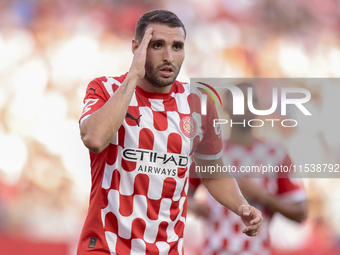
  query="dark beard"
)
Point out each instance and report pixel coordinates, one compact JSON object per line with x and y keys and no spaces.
{"x":152,"y":78}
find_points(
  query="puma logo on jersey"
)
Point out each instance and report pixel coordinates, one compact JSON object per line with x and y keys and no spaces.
{"x":94,"y":90}
{"x":92,"y":243}
{"x":131,"y":117}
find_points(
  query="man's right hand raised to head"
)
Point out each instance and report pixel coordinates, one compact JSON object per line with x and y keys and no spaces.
{"x":100,"y":127}
{"x":139,"y":50}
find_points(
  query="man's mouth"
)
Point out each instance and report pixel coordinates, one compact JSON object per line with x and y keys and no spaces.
{"x":167,"y":71}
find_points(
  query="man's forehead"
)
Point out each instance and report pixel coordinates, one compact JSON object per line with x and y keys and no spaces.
{"x":162,"y":31}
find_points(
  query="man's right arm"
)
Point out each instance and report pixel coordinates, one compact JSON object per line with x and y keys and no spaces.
{"x":100,"y":127}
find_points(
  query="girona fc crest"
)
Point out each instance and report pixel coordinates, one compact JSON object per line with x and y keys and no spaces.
{"x":188,"y":126}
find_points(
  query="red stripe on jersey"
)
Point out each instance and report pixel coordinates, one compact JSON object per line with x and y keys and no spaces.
{"x":175,"y":146}
{"x":138,"y":228}
{"x":121,"y":136}
{"x":112,"y":150}
{"x":179,"y":227}
{"x":151,"y":248}
{"x":174,"y":210}
{"x":141,"y":98}
{"x":141,"y":184}
{"x":169,"y":187}
{"x":115,"y":180}
{"x":160,"y":121}
{"x":125,"y":205}
{"x":123,"y":246}
{"x":146,"y":139}
{"x":162,"y":236}
{"x":174,"y":143}
{"x":153,"y":208}
{"x":128,"y":166}
{"x":111,"y":222}
{"x":181,"y":172}
{"x":170,"y":105}
{"x":173,"y":248}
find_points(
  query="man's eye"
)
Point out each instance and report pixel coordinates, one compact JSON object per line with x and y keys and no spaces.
{"x":157,"y":45}
{"x":177,"y":47}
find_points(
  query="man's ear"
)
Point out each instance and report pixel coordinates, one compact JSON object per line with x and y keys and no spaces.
{"x":135,"y":45}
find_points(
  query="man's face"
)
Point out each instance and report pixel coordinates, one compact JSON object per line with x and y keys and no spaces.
{"x":165,"y":54}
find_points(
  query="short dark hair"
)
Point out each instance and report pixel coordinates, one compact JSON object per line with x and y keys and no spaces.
{"x":163,"y":17}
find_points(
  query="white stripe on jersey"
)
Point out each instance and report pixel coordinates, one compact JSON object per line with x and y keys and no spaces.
{"x":108,"y":84}
{"x":138,"y":247}
{"x":157,"y":104}
{"x":163,"y":247}
{"x":111,"y":239}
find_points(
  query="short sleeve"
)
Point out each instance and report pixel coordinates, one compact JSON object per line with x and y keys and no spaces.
{"x":95,"y":98}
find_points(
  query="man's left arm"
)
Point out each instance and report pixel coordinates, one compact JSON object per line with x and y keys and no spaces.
{"x":294,"y":210}
{"x":226,"y":191}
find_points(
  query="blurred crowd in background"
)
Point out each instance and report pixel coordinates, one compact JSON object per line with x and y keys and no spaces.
{"x":51,"y":49}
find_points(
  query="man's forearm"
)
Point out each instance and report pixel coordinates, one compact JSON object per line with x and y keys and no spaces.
{"x":223,"y":188}
{"x":98,"y":129}
{"x":226,"y":192}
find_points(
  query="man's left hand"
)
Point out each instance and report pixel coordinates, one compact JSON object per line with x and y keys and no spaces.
{"x":252,"y":218}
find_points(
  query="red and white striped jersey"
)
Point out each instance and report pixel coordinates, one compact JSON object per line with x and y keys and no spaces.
{"x":140,"y":181}
{"x":223,"y":229}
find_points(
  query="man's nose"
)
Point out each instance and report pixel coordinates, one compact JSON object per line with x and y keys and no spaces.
{"x":168,"y":57}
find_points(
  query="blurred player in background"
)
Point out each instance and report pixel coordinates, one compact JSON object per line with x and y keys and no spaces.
{"x":270,"y":193}
{"x":138,"y":128}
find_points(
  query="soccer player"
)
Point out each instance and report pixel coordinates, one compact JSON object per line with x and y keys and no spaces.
{"x":272,"y":193}
{"x":142,"y":129}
